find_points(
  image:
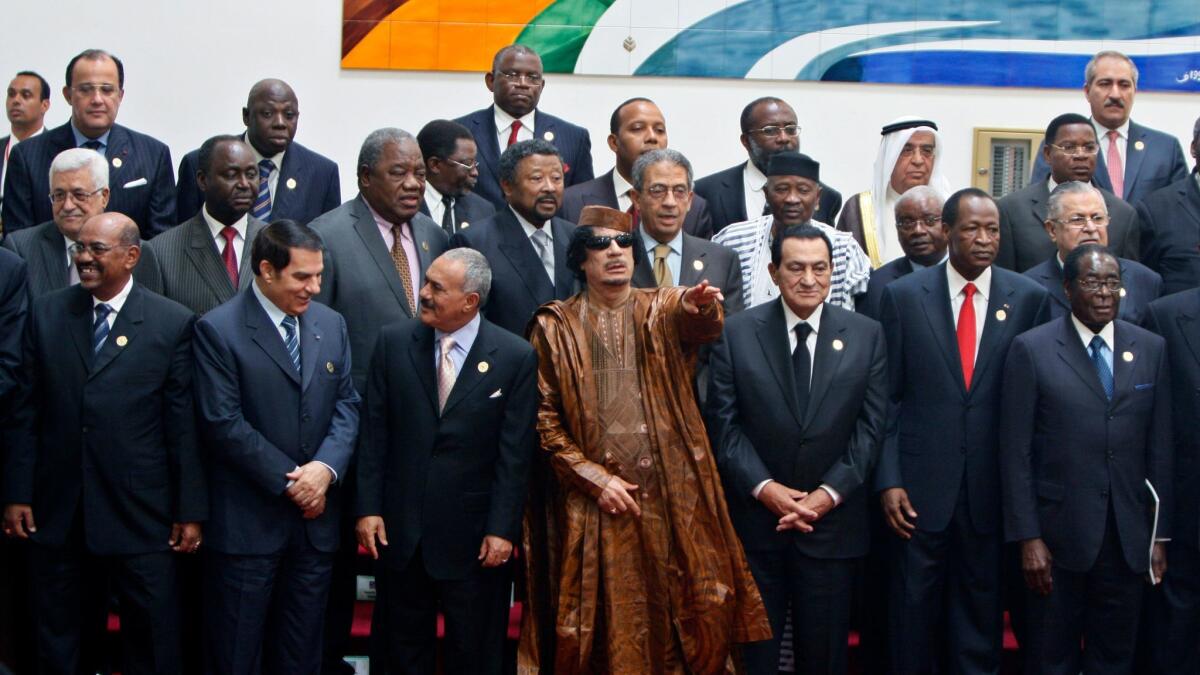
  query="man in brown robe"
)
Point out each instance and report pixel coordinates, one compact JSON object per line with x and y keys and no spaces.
{"x":633,"y":564}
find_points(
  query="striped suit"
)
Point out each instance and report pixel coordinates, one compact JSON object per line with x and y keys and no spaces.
{"x":190,"y":268}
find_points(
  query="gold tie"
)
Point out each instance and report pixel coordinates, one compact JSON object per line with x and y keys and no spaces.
{"x":662,"y":273}
{"x":400,"y":259}
{"x":446,"y":374}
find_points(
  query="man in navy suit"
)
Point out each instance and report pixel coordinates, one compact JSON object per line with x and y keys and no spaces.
{"x":15,"y":632}
{"x":1085,"y":424}
{"x":447,"y":440}
{"x":280,"y":419}
{"x":451,"y":171}
{"x":142,"y":184}
{"x":293,"y":181}
{"x":636,"y":127}
{"x":948,"y":329}
{"x":796,"y":410}
{"x":516,"y":82}
{"x":26,"y":103}
{"x":1076,"y":215}
{"x":103,"y":469}
{"x":1171,"y":228}
{"x":525,"y":243}
{"x":1135,"y":160}
{"x":769,"y":125}
{"x":922,"y":238}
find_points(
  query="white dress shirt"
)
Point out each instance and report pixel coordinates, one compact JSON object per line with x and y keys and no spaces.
{"x":504,"y":123}
{"x":464,"y":338}
{"x":622,"y":188}
{"x":674,"y":257}
{"x":115,"y":303}
{"x":983,"y":288}
{"x":1122,"y":142}
{"x":1106,"y":334}
{"x":215,"y":227}
{"x":72,"y":271}
{"x":273,"y":179}
{"x":754,"y":184}
{"x":433,"y":202}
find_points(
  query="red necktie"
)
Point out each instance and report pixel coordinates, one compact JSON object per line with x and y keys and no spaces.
{"x":512,"y":135}
{"x":1116,"y":168}
{"x":633,"y":215}
{"x":966,"y":334}
{"x":228,"y":255}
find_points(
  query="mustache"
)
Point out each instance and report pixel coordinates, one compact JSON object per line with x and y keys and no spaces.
{"x":1114,"y":102}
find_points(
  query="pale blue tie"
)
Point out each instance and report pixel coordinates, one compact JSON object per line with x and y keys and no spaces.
{"x":100,"y":327}
{"x":262,"y":205}
{"x":291,"y":340}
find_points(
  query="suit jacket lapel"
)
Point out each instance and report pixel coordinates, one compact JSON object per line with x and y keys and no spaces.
{"x":1124,"y":343}
{"x":126,"y":325}
{"x":519,"y":251}
{"x":1051,"y":275}
{"x":82,"y":318}
{"x":377,"y":251}
{"x":291,"y":173}
{"x":941,"y":322}
{"x":643,"y":272}
{"x":468,"y":379}
{"x":1189,"y":199}
{"x":53,"y":254}
{"x":119,"y":145}
{"x":1039,"y":201}
{"x":202,"y":253}
{"x":1133,"y":156}
{"x":310,"y":349}
{"x":606,"y":194}
{"x":267,"y":336}
{"x":420,"y":235}
{"x":489,"y":149}
{"x":737,"y":196}
{"x":245,"y":268}
{"x":564,"y":280}
{"x":689,"y":273}
{"x":825,"y":363}
{"x":993,"y":328}
{"x":421,"y":353}
{"x":776,"y":346}
{"x":1071,"y":350}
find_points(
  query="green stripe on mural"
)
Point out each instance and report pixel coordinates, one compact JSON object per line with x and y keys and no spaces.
{"x":560,"y":31}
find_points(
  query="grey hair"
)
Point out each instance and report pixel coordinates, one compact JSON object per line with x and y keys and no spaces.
{"x":1074,"y":187}
{"x":918,"y":193}
{"x":372,"y":147}
{"x":520,"y":150}
{"x":1089,"y":73}
{"x":648,"y":159}
{"x":478,"y":274}
{"x":81,"y":158}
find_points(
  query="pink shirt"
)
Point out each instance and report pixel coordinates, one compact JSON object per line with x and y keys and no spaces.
{"x":406,"y":242}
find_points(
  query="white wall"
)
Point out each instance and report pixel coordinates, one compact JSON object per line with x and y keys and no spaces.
{"x":189,"y":66}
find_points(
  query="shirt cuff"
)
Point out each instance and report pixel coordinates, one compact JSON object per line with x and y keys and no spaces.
{"x":335,"y":476}
{"x":759,"y":488}
{"x":833,"y":494}
{"x":290,"y":483}
{"x":1162,"y":541}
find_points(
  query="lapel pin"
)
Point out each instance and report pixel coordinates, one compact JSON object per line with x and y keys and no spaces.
{"x":482,"y":367}
{"x":329,"y":366}
{"x":1127,"y":357}
{"x":837,"y":345}
{"x":1001,"y":315}
{"x":291,"y":183}
{"x":463,"y":225}
{"x":117,"y":162}
{"x":1139,"y":146}
{"x":425,"y":246}
{"x":549,"y":135}
{"x":1121,"y":293}
{"x":122,"y":340}
{"x":697,"y":265}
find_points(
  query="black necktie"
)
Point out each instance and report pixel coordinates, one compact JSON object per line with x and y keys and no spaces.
{"x":448,"y":214}
{"x":91,"y":145}
{"x":802,"y":365}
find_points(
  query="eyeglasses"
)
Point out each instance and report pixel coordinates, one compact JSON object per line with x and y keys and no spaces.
{"x":909,"y":224}
{"x":95,"y":248}
{"x":89,"y":89}
{"x":514,"y":76}
{"x":469,"y":167}
{"x":1080,"y":222}
{"x":773,"y":131}
{"x":601,"y":243}
{"x":1086,"y":150}
{"x":78,"y":196}
{"x":659,"y":191}
{"x":1094,"y":285}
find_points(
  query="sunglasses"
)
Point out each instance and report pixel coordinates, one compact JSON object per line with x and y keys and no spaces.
{"x":601,"y":243}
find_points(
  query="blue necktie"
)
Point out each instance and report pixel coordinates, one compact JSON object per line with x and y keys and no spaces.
{"x":291,"y":341}
{"x":262,"y":205}
{"x":100,"y":327}
{"x":1106,"y":377}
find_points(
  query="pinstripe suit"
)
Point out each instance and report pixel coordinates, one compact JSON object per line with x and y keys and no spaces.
{"x":190,"y":268}
{"x":45,"y":253}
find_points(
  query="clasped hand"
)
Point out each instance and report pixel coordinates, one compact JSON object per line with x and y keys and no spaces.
{"x":311,"y":481}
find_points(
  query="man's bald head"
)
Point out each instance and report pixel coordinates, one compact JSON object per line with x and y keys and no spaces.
{"x":113,"y":225}
{"x":108,"y":248}
{"x":271,"y":116}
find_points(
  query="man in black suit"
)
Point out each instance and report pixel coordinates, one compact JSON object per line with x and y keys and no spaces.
{"x":516,"y":81}
{"x":1076,"y":214}
{"x":735,"y":195}
{"x":26,"y":103}
{"x":635,"y":128}
{"x":1170,"y":220}
{"x":525,"y":243}
{"x":103,"y":467}
{"x":451,"y":171}
{"x":15,"y":632}
{"x":796,"y":410}
{"x":203,"y":261}
{"x":280,"y":418}
{"x":78,"y":191}
{"x":444,"y":460}
{"x":293,"y":181}
{"x":140,"y":172}
{"x":1071,"y":153}
{"x":922,"y":238}
{"x":948,"y":329}
{"x":1086,"y":424}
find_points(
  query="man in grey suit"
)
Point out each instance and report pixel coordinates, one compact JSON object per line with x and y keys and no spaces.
{"x":203,"y":261}
{"x":78,"y":191}
{"x":1071,"y":151}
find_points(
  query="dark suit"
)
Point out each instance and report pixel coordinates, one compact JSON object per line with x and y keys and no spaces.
{"x":268,"y":568}
{"x":1158,"y":164}
{"x":315,"y":177}
{"x":14,"y":306}
{"x":191,"y":270}
{"x":469,"y":208}
{"x":1170,"y":220}
{"x":1073,"y":467}
{"x":1140,"y":287}
{"x":142,"y":187}
{"x":45,"y":252}
{"x":1023,"y":239}
{"x":3,"y":146}
{"x":519,"y":281}
{"x":442,"y":482}
{"x":700,"y":259}
{"x":15,"y":633}
{"x":869,"y":303}
{"x":1173,"y":614}
{"x":105,"y":452}
{"x":760,"y":433}
{"x":600,"y":191}
{"x":941,"y":447}
{"x":573,"y":143}
{"x":725,"y":192}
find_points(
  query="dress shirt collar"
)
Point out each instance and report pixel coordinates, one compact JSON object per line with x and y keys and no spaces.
{"x":117,"y":301}
{"x":464,"y":337}
{"x":983,"y":283}
{"x":80,"y":139}
{"x":1102,"y":132}
{"x":918,"y":266}
{"x":530,"y":229}
{"x":215,"y":226}
{"x":791,"y":319}
{"x":754,"y":179}
{"x":432,"y":195}
{"x":1106,"y":333}
{"x":276,"y":159}
{"x":384,"y":225}
{"x":1051,"y":183}
{"x":504,"y":120}
{"x":621,"y":186}
{"x":676,"y":243}
{"x":275,"y":314}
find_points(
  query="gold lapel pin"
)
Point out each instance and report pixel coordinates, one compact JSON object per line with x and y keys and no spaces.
{"x":122,"y":340}
{"x":1139,"y":146}
{"x":463,"y":225}
{"x":117,"y":162}
{"x":425,"y":246}
{"x":549,"y":135}
{"x":329,"y":366}
{"x":1001,"y":315}
{"x":837,"y":345}
{"x":697,"y":265}
{"x":291,"y":183}
{"x":483,"y":366}
{"x":1127,"y":357}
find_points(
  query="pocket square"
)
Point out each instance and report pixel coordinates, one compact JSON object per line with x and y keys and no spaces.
{"x":135,"y":183}
{"x":496,"y":394}
{"x":1142,"y":387}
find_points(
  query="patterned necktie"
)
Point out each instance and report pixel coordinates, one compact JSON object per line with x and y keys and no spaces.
{"x":966,"y":334}
{"x":662,"y":273}
{"x":1116,"y":168}
{"x":542,"y":244}
{"x":400,"y":259}
{"x":802,"y":365}
{"x":448,"y":214}
{"x":262,"y":205}
{"x":446,"y":373}
{"x":290,"y":340}
{"x":229,"y":255}
{"x":100,"y":327}
{"x":512,"y":135}
{"x":1097,"y":348}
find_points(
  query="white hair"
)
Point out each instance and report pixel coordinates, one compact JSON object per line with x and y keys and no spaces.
{"x":478,"y":274}
{"x":81,"y":158}
{"x":1074,"y":187}
{"x":919,"y":193}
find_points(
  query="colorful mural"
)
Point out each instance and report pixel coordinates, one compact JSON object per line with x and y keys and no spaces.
{"x":1003,"y":43}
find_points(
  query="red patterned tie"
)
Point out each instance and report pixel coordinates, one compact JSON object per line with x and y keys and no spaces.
{"x":512,"y":135}
{"x":966,"y":334}
{"x":1116,"y":168}
{"x":229,"y":256}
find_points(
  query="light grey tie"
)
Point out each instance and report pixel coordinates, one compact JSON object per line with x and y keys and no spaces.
{"x":446,"y":373}
{"x":545,"y":251}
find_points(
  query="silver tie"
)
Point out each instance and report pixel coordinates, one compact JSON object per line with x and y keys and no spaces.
{"x":446,"y":374}
{"x":545,"y":251}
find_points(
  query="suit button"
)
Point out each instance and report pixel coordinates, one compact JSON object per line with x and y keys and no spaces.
{"x":305,"y":418}
{"x":1104,"y":493}
{"x":85,"y":430}
{"x":1112,"y":417}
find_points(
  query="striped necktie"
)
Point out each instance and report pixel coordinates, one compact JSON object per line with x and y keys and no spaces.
{"x":1097,"y":348}
{"x":100,"y":328}
{"x":262,"y":205}
{"x":291,"y":340}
